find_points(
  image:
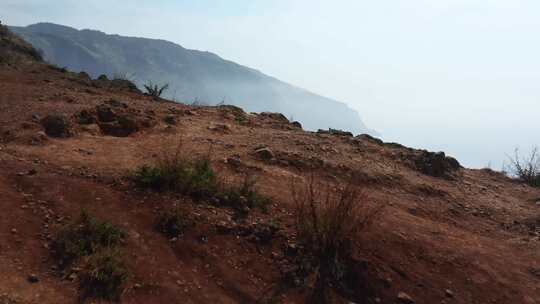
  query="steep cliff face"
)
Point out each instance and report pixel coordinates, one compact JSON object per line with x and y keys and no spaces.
{"x":192,"y":75}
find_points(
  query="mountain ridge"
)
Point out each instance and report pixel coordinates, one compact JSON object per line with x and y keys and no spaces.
{"x":192,"y":74}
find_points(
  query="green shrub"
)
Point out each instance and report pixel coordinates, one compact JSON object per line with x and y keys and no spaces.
{"x":172,"y":223}
{"x":190,"y":177}
{"x":84,"y":237}
{"x":196,"y":178}
{"x":103,"y":275}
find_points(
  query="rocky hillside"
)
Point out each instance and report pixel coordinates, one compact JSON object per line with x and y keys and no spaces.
{"x":192,"y":75}
{"x":91,"y":212}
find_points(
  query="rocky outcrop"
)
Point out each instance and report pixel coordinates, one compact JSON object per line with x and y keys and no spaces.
{"x":56,"y":126}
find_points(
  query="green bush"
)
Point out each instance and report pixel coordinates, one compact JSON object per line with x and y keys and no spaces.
{"x":103,"y":275}
{"x":84,"y":237}
{"x":172,"y":223}
{"x":190,"y":177}
{"x":196,"y":178}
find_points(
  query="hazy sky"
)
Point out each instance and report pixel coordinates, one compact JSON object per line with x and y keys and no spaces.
{"x":461,"y":76}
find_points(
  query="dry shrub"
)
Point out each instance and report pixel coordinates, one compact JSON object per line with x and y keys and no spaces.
{"x":328,"y":218}
{"x":527,"y":169}
{"x":155,"y":90}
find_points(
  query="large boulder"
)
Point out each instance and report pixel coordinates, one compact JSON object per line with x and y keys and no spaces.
{"x":56,"y":126}
{"x":436,"y":164}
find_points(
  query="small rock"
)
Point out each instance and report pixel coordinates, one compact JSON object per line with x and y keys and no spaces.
{"x":449,"y":293}
{"x":224,"y":128}
{"x":85,"y":117}
{"x":72,"y":277}
{"x":264,"y":153}
{"x":123,"y":127}
{"x":335,"y":132}
{"x":116,"y":103}
{"x":14,"y":231}
{"x":404,"y":298}
{"x":170,"y":119}
{"x":234,"y":161}
{"x":296,"y":124}
{"x":105,"y":113}
{"x":33,"y":278}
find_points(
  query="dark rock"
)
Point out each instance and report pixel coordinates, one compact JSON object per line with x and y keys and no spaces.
{"x":85,"y":117}
{"x":264,"y":153}
{"x":225,"y":227}
{"x":335,"y":132}
{"x":276,"y":116}
{"x":105,"y":113}
{"x":122,"y":127}
{"x":170,"y":120}
{"x":232,"y":109}
{"x":84,"y":76}
{"x":56,"y":126}
{"x":223,"y":128}
{"x":234,"y":161}
{"x":33,"y":278}
{"x":296,"y":124}
{"x":436,"y":164}
{"x":370,"y":138}
{"x":124,"y":85}
{"x":116,"y":103}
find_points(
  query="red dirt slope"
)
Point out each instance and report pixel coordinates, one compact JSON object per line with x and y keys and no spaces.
{"x":471,"y":238}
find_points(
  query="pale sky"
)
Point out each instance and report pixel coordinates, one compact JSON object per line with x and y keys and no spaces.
{"x":460,"y":76}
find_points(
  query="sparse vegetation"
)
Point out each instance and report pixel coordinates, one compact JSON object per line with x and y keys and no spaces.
{"x":85,"y":236}
{"x":104,"y":275}
{"x":93,"y":244}
{"x":195,"y":177}
{"x":177,"y":173}
{"x":527,"y":169}
{"x":172,"y":223}
{"x":244,"y":196}
{"x":155,"y":90}
{"x":328,"y":219}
